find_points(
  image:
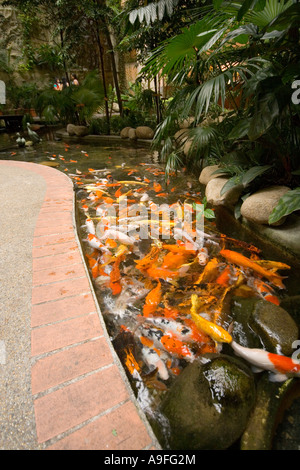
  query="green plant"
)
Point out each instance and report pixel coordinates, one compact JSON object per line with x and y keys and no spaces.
{"x":288,"y":203}
{"x":242,"y":57}
{"x":72,"y":104}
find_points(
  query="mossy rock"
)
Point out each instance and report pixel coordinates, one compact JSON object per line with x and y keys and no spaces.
{"x":209,"y":404}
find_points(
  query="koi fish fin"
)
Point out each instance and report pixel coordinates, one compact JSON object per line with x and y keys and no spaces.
{"x":256,"y":370}
{"x":277,"y":377}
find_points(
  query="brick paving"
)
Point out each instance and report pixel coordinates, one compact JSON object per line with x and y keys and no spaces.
{"x":81,"y":396}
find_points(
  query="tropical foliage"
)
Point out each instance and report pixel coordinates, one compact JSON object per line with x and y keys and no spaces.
{"x":73,"y":104}
{"x":233,"y":68}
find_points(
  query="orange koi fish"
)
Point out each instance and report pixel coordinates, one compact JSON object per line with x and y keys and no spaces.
{"x":118,"y":193}
{"x":241,"y":260}
{"x":115,"y":277}
{"x":152,"y":300}
{"x":174,"y":261}
{"x":265,"y":291}
{"x":161,"y":273}
{"x":157,"y":187}
{"x":224,"y":278}
{"x":130,"y":362}
{"x":209,"y":273}
{"x":180,"y":247}
{"x":282,"y":367}
{"x":177,"y":347}
{"x":145,"y":263}
{"x":272,"y":265}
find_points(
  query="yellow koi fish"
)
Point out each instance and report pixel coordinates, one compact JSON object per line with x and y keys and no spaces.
{"x":216,"y":332}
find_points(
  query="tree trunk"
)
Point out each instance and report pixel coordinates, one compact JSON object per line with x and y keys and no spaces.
{"x":114,"y":68}
{"x":158,"y":111}
{"x":101,"y":61}
{"x":62,"y":47}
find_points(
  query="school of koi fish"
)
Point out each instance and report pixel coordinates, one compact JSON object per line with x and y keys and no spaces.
{"x":165,"y":297}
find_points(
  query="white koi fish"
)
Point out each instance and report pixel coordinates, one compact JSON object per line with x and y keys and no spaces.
{"x":152,"y":359}
{"x":182,"y":331}
{"x":281,"y":367}
{"x":89,"y":224}
{"x":117,"y":235}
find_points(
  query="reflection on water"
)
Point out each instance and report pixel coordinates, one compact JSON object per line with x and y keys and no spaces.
{"x":164,"y":287}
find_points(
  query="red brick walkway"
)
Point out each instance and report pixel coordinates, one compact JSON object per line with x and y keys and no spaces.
{"x":81,"y":396}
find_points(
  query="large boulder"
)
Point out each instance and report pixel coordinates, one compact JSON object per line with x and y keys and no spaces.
{"x":71,"y":129}
{"x":207,"y":174}
{"x":124,"y":132}
{"x":132,"y":134}
{"x":186,"y":123}
{"x":144,"y":132}
{"x":228,"y":199}
{"x":79,"y":131}
{"x":258,"y":323}
{"x":181,"y":136}
{"x":257,"y":208}
{"x":209,"y":404}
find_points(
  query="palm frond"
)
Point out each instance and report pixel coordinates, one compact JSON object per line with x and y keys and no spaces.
{"x":153,"y":11}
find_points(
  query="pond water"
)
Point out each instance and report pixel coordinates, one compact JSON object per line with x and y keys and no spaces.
{"x":165,"y":276}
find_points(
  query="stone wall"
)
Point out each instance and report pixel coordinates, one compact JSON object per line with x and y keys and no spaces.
{"x":12,"y":42}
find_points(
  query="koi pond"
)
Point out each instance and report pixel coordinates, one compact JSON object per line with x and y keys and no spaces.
{"x":203,"y":317}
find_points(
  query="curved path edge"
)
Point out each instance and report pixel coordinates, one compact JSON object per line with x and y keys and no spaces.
{"x":81,"y":396}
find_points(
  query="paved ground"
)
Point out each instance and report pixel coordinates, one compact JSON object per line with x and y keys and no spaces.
{"x":61,"y":384}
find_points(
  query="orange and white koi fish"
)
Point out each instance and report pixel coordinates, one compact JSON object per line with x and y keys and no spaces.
{"x":152,"y":359}
{"x":168,"y":342}
{"x":94,"y":242}
{"x":89,"y":224}
{"x":265,"y":291}
{"x":241,"y":260}
{"x":176,"y":347}
{"x":281,"y":367}
{"x":180,"y":329}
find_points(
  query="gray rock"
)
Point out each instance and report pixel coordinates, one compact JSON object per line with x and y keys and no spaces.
{"x":186,"y":123}
{"x":181,"y":136}
{"x":144,"y":132}
{"x":124,"y":132}
{"x":275,"y":327}
{"x":258,"y":323}
{"x":70,"y":129}
{"x":229,"y":198}
{"x":207,"y":399}
{"x":258,"y":207}
{"x":132,"y":134}
{"x":207,"y":174}
{"x":79,"y":131}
